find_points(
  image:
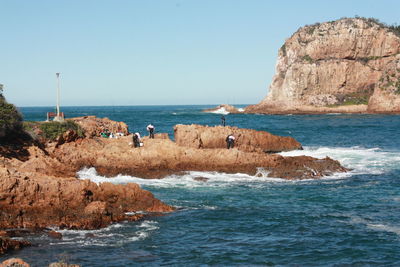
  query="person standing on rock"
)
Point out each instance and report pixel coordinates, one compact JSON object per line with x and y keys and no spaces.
{"x":223,"y":120}
{"x":230,"y":141}
{"x":150,"y":129}
{"x":136,"y":140}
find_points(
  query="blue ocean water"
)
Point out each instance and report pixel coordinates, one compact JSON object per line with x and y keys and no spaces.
{"x":236,"y":219}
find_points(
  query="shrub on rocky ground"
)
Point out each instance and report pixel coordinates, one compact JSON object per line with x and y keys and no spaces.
{"x":51,"y":130}
{"x":10,"y":118}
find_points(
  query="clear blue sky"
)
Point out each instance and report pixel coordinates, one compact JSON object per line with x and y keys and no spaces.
{"x":155,"y":52}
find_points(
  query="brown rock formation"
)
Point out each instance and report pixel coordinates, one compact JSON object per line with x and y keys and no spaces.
{"x":14,"y":262}
{"x":332,"y":67}
{"x":39,"y":190}
{"x":386,"y":97}
{"x":304,"y":167}
{"x":161,"y":157}
{"x":95,"y":126}
{"x":198,"y":136}
{"x":35,"y":200}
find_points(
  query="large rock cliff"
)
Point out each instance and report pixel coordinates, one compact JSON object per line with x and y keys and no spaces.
{"x":336,"y":67}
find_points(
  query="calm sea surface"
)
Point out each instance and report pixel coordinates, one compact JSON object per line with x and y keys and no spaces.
{"x":236,"y":219}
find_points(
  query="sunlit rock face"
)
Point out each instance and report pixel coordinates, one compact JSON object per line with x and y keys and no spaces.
{"x":332,"y":67}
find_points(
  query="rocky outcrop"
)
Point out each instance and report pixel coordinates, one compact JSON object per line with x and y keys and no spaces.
{"x":161,"y":157}
{"x":39,"y":189}
{"x":35,"y":200}
{"x":333,"y":67}
{"x":304,"y":167}
{"x":198,"y":136}
{"x":14,"y":262}
{"x":93,"y":126}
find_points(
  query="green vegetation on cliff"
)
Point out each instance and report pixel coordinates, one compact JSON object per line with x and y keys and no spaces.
{"x":51,"y":130}
{"x":13,"y":127}
{"x":370,"y":22}
{"x":10,"y":118}
{"x":352,"y":99}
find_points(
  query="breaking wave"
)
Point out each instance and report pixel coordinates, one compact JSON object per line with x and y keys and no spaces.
{"x":361,"y":160}
{"x":221,"y":110}
{"x":113,"y":235}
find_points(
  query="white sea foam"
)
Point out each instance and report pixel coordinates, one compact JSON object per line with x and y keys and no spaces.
{"x":113,"y":235}
{"x":221,"y":110}
{"x":375,"y":226}
{"x":195,"y":179}
{"x":189,"y":179}
{"x":241,"y":109}
{"x":383,"y":227}
{"x":361,"y":160}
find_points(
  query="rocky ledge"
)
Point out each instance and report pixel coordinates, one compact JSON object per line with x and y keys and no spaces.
{"x":39,"y":190}
{"x":198,"y":136}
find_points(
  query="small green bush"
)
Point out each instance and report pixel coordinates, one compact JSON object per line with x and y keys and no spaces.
{"x":51,"y":130}
{"x":283,"y":49}
{"x":397,"y":91}
{"x":308,"y":59}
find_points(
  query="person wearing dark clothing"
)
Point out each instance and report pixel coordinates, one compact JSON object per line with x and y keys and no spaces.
{"x":136,"y":140}
{"x":230,"y":141}
{"x":223,"y":120}
{"x":150,"y":129}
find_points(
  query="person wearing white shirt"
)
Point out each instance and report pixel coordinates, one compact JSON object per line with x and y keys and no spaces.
{"x":150,"y":129}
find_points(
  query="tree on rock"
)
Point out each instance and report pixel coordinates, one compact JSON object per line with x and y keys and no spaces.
{"x":10,"y":118}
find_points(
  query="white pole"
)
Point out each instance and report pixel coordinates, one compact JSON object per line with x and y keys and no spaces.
{"x":58,"y":95}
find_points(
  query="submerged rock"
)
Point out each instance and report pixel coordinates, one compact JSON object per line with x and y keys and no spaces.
{"x":201,"y":179}
{"x":54,"y":234}
{"x":7,"y":244}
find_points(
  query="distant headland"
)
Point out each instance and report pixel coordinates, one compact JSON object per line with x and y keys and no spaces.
{"x":351,"y":65}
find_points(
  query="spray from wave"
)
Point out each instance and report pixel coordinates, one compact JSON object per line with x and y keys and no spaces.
{"x":361,"y":160}
{"x":113,"y":235}
{"x":221,"y":110}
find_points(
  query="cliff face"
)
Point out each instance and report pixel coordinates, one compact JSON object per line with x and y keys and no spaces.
{"x":386,"y":97}
{"x":333,"y":67}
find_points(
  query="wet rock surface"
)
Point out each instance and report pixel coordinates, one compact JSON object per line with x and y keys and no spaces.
{"x":7,"y":244}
